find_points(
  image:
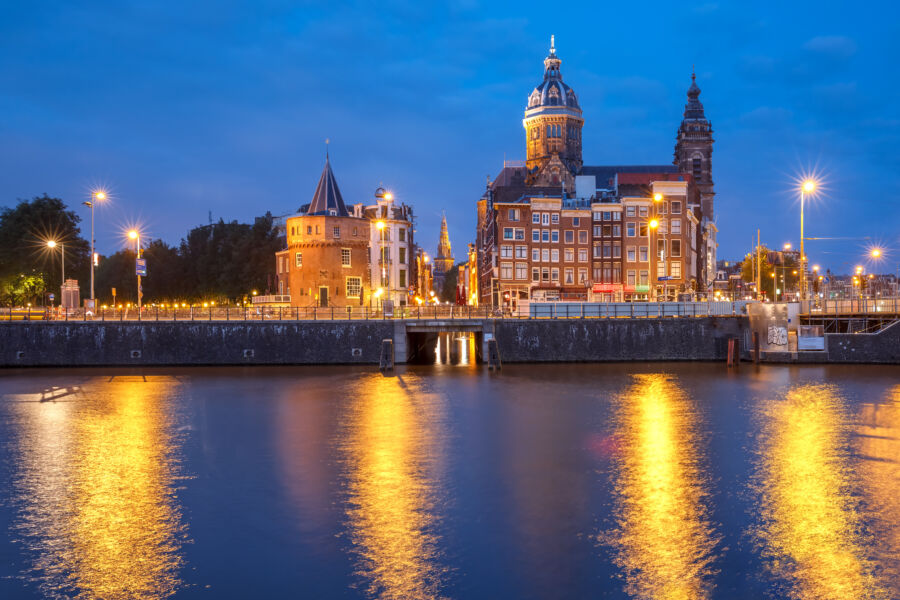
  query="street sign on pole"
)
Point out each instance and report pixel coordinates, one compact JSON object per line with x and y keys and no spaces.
{"x":140,"y":267}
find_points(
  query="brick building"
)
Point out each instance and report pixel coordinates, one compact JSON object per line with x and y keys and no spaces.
{"x":614,"y":206}
{"x":326,"y":260}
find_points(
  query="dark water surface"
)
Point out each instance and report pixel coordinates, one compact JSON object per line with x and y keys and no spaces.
{"x":547,"y":481}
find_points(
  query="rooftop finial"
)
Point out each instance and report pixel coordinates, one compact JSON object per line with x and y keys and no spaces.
{"x":327,"y":141}
{"x":552,"y":44}
{"x":693,"y":73}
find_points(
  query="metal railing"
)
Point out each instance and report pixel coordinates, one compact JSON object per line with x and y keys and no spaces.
{"x":557,"y":310}
{"x":858,"y":306}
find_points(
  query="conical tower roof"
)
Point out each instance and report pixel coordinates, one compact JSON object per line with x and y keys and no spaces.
{"x":444,"y":242}
{"x":327,"y":200}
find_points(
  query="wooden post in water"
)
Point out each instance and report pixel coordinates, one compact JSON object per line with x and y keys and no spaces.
{"x":387,"y":355}
{"x":756,"y":347}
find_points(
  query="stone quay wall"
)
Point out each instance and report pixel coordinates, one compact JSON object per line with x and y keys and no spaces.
{"x":603,"y":340}
{"x":173,"y":343}
{"x":881,"y":347}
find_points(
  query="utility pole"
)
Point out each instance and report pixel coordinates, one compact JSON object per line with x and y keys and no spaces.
{"x":758,"y":268}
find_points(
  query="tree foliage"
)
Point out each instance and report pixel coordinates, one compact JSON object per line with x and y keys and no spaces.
{"x":784,"y":273}
{"x":25,"y":257}
{"x":221,"y":261}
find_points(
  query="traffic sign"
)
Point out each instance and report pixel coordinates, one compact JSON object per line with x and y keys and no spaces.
{"x":140,"y":266}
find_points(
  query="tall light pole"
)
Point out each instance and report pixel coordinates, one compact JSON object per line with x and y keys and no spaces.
{"x":96,"y":195}
{"x":657,"y":199}
{"x":136,"y":236}
{"x":808,"y":187}
{"x":380,"y":226}
{"x":62,"y":254}
{"x":653,"y":225}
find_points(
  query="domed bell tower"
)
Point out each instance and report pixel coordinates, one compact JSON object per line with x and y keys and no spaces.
{"x":553,"y":123}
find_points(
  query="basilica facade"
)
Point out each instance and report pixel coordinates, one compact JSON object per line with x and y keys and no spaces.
{"x":552,"y":228}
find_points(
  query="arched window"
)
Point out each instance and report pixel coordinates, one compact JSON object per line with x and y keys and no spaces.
{"x":698,"y":168}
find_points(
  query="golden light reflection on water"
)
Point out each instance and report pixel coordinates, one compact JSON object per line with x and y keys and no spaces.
{"x":97,"y":507}
{"x":810,"y":525}
{"x":878,"y":449}
{"x":664,"y":543}
{"x":392,"y":451}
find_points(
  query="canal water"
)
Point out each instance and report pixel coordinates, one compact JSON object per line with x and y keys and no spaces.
{"x":677,"y":480}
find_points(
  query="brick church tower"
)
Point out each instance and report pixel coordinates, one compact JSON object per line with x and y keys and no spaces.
{"x":694,"y":146}
{"x":553,"y":124}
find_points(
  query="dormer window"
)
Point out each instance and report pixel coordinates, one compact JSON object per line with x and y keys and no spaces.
{"x":332,"y":212}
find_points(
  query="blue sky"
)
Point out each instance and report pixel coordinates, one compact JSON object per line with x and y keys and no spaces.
{"x":185,"y":108}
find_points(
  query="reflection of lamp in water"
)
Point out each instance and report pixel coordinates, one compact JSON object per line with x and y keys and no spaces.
{"x":810,"y":525}
{"x":664,"y":541}
{"x":390,"y":448}
{"x":112,"y":528}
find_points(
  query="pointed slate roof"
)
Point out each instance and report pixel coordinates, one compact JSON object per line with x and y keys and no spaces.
{"x":327,"y":199}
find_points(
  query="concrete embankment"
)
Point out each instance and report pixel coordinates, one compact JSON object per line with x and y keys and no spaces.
{"x":173,"y":343}
{"x":53,"y":344}
{"x":596,"y":340}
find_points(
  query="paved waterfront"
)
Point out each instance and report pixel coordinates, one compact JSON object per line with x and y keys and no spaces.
{"x":546,"y":481}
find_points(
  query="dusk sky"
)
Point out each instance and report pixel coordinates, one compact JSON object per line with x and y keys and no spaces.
{"x":179,"y":109}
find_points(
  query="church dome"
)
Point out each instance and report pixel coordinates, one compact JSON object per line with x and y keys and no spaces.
{"x":552,"y":92}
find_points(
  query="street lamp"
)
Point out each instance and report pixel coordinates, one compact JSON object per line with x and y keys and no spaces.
{"x":380,"y":226}
{"x":654,"y":225}
{"x":96,"y":196}
{"x":808,"y":188}
{"x":62,"y":254}
{"x":136,"y":236}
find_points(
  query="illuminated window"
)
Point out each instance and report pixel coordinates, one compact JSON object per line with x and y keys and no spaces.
{"x":354,"y":287}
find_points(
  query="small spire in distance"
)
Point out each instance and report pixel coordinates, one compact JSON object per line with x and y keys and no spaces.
{"x":552,"y":44}
{"x":327,"y":141}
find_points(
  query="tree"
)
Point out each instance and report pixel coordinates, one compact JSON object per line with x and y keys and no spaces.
{"x":769,"y":272}
{"x":24,"y":232}
{"x":18,"y":290}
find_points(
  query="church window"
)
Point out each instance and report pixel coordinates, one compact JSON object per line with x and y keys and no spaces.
{"x":698,"y":169}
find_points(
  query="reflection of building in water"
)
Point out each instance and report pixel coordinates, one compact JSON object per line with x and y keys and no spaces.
{"x":99,"y":517}
{"x":809,"y":528}
{"x":878,"y":448}
{"x":392,"y":449}
{"x":664,"y":540}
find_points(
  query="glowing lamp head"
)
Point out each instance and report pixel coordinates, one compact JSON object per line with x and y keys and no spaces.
{"x":51,"y":244}
{"x":379,"y":225}
{"x":858,"y":269}
{"x":809,"y":186}
{"x":654,"y":224}
{"x":816,"y":268}
{"x":100,"y":195}
{"x":388,"y":196}
{"x":876,"y":253}
{"x":133,"y":234}
{"x":379,"y":292}
{"x":657,"y":197}
{"x":787,"y":246}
